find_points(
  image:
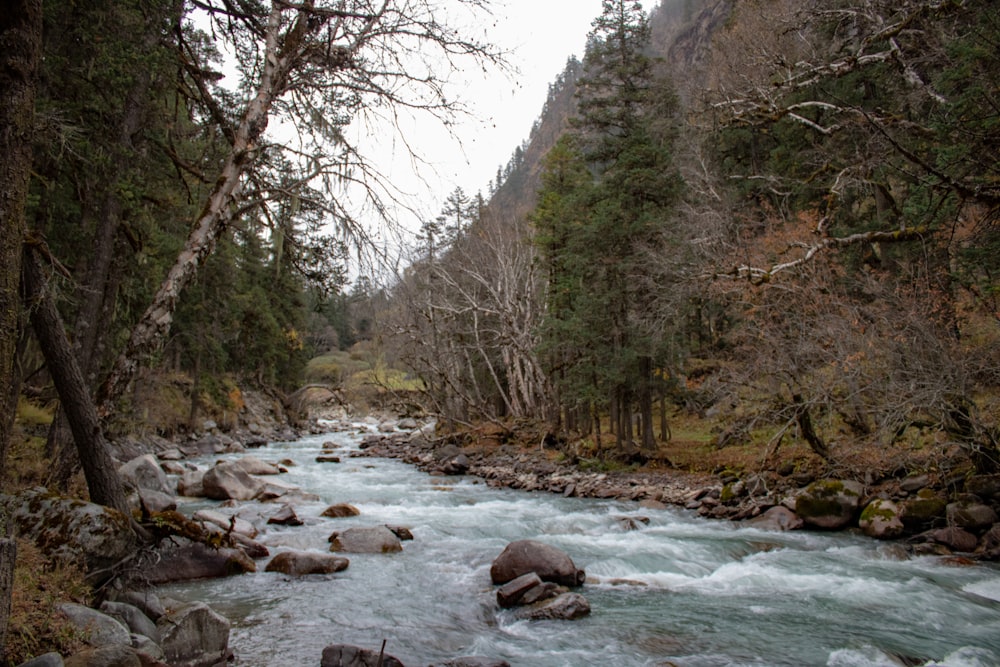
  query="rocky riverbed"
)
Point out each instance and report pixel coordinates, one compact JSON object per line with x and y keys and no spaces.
{"x":922,"y":515}
{"x":927,"y":514}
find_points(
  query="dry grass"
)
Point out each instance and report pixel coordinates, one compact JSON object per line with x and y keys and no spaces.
{"x":36,"y":626}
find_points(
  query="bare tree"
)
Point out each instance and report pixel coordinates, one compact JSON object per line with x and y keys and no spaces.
{"x":316,"y":65}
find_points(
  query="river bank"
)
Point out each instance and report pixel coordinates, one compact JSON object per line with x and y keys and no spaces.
{"x":929,"y":513}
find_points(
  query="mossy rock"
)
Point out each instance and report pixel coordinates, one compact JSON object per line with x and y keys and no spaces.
{"x":924,"y":511}
{"x":880,"y":519}
{"x":829,"y":504}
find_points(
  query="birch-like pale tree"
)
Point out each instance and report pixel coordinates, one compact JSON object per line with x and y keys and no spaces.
{"x":315,"y":65}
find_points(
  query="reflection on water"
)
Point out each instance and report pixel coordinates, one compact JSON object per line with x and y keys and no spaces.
{"x":681,"y":590}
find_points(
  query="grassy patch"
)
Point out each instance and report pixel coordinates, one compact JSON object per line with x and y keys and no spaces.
{"x":36,"y":626}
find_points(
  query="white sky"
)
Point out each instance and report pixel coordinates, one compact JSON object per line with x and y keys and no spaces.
{"x":540,"y":35}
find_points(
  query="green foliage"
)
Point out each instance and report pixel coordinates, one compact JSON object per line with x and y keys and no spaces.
{"x":607,"y":193}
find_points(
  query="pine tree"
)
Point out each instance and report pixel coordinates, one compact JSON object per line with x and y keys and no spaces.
{"x":592,"y":234}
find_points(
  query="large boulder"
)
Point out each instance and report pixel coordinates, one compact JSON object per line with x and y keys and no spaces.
{"x":144,"y":472}
{"x":194,"y":635}
{"x":71,"y":530}
{"x":566,"y":607}
{"x":116,"y":655}
{"x":366,"y":540}
{"x":298,"y":563}
{"x":829,"y":504}
{"x":548,"y":562}
{"x":881,"y":519}
{"x":343,"y":655}
{"x":181,"y":559}
{"x":97,"y":628}
{"x":925,"y":510}
{"x":970,"y":515}
{"x":954,"y":538}
{"x":132,"y":618}
{"x":254,"y":466}
{"x":227,"y":481}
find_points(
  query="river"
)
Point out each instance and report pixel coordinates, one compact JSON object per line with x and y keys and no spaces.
{"x":681,"y":590}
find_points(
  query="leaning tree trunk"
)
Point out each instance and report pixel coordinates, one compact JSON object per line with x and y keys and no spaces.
{"x":99,"y":468}
{"x":20,"y":49}
{"x":149,"y":333}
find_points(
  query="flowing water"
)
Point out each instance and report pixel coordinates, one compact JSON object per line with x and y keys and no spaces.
{"x":682,"y":590}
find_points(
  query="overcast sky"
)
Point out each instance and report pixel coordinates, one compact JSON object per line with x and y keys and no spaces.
{"x":540,"y":35}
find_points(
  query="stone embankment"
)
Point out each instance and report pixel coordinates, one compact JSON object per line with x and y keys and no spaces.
{"x":957,"y":516}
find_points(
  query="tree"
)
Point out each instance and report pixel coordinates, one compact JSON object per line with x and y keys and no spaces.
{"x":317,"y":65}
{"x":621,"y":136}
{"x":20,"y":53}
{"x":867,"y":151}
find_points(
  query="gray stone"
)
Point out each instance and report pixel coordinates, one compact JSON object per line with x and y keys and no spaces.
{"x":954,"y":538}
{"x":881,"y":519}
{"x":226,"y":522}
{"x":777,"y":518}
{"x":194,"y":635}
{"x":71,"y":530}
{"x":254,"y":466}
{"x":172,"y":454}
{"x":974,"y":517}
{"x":98,"y":628}
{"x":149,"y":652}
{"x":548,"y":562}
{"x":182,"y":560}
{"x":117,"y":655}
{"x":474,"y":661}
{"x":45,"y":660}
{"x":298,"y":563}
{"x":190,"y":484}
{"x":914,"y":483}
{"x":144,"y":472}
{"x":285,"y":516}
{"x":366,"y":540}
{"x":510,"y":594}
{"x":157,"y":501}
{"x":131,"y":617}
{"x":343,"y":655}
{"x":147,"y":602}
{"x":566,"y":607}
{"x":226,"y":481}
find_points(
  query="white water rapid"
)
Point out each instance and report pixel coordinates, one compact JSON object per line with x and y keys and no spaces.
{"x":681,"y":591}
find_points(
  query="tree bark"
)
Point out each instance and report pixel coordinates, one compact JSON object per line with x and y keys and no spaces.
{"x":99,"y":468}
{"x":20,"y":50}
{"x":8,"y":554}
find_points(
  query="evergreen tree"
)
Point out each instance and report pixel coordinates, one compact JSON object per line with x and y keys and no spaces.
{"x":599,"y":303}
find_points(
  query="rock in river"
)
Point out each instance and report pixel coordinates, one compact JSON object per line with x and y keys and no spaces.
{"x":548,"y":562}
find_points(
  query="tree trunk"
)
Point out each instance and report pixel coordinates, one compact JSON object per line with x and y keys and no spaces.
{"x":20,"y":50}
{"x":8,"y":554}
{"x":646,"y":402}
{"x":98,"y":467}
{"x":150,"y":331}
{"x":804,"y":420}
